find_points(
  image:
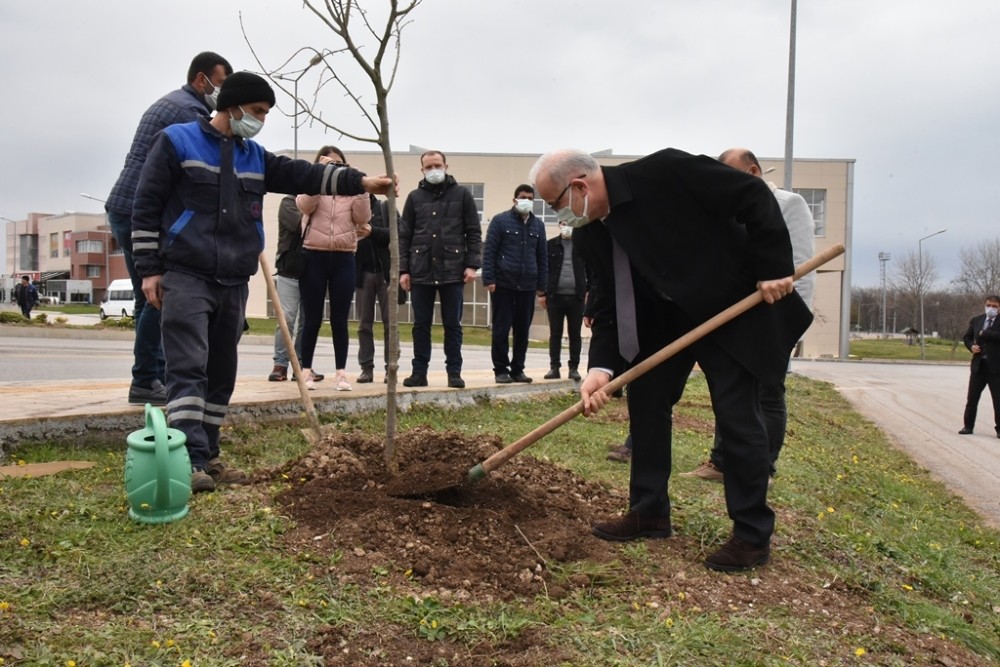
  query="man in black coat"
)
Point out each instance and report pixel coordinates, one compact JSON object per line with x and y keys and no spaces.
{"x":983,"y":340}
{"x":693,"y":237}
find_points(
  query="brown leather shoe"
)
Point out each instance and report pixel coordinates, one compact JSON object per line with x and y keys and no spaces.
{"x":737,"y":555}
{"x":622,"y":454}
{"x":223,"y":474}
{"x":631,"y":527}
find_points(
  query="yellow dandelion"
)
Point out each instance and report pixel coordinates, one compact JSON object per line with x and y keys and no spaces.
{"x":25,"y":542}
{"x":681,"y":595}
{"x":408,"y":573}
{"x":635,"y":605}
{"x":907,"y":587}
{"x":434,"y":624}
{"x":267,"y":510}
{"x":211,"y":633}
{"x":71,"y":663}
{"x":155,"y":643}
{"x":830,"y":510}
{"x":302,"y":603}
{"x":859,"y":652}
{"x":669,"y":622}
{"x":820,"y":516}
{"x":21,"y":462}
{"x":4,"y":605}
{"x":854,"y":459}
{"x":840,"y":477}
{"x":170,"y":643}
{"x":186,"y":663}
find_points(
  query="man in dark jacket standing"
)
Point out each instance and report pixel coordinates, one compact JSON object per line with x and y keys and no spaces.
{"x":371,"y":285}
{"x":515,"y":269}
{"x":565,"y":297}
{"x":197,"y":235}
{"x":982,"y":338}
{"x":440,"y":244}
{"x":194,"y":99}
{"x":676,"y":239}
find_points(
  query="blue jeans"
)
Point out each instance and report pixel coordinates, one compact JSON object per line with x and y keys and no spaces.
{"x":452,"y":301}
{"x":148,"y":351}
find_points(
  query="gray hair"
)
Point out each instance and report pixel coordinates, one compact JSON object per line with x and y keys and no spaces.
{"x":564,"y":165}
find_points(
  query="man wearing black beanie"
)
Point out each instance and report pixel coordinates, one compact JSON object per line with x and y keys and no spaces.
{"x":197,"y":231}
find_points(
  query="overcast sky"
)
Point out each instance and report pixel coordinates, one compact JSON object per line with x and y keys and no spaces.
{"x":908,"y":88}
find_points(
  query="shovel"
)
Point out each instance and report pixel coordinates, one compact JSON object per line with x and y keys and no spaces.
{"x":314,"y":433}
{"x":492,"y":463}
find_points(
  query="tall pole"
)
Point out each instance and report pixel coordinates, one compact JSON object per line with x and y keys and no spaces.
{"x":920,"y":285}
{"x":790,"y":110}
{"x":883,"y":257}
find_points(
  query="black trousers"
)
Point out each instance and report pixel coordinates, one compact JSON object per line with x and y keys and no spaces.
{"x":978,"y":382}
{"x":736,"y":403}
{"x":566,"y":307}
{"x":512,"y":309}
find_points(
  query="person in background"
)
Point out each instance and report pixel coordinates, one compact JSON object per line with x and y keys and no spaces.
{"x":197,"y":237}
{"x":802,"y":232}
{"x":331,"y":227}
{"x":288,"y":267}
{"x":26,"y":296}
{"x":194,"y":99}
{"x":566,"y":295}
{"x":371,"y":285}
{"x":440,"y":245}
{"x":982,"y":338}
{"x":515,"y":269}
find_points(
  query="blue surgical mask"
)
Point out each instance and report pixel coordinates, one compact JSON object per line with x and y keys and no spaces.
{"x":566,"y":232}
{"x":566,"y":215}
{"x":991,"y":312}
{"x":246,"y":127}
{"x":524,"y":206}
{"x":434,"y":176}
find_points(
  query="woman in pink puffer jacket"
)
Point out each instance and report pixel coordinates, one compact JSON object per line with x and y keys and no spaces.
{"x":331,"y":227}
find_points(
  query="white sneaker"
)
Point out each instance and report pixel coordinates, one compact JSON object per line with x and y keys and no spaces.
{"x":342,"y":383}
{"x":309,"y":378}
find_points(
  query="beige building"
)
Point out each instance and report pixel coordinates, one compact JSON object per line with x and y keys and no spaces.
{"x":827,"y":186}
{"x":65,"y":247}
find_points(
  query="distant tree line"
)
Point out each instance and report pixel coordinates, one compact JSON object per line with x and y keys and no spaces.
{"x":946,"y":309}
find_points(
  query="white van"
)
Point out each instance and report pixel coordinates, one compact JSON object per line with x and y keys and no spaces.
{"x":119,"y":301}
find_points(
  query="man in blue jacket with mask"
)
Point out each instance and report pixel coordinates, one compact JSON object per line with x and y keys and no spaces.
{"x":197,"y":232}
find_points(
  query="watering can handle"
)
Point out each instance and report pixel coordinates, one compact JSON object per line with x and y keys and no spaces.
{"x":156,"y":422}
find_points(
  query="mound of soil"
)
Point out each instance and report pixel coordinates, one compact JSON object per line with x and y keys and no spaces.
{"x":496,"y":538}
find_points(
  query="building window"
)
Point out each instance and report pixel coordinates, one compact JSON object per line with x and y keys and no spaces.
{"x":67,"y":244}
{"x":816,"y":199}
{"x":477,"y":190}
{"x":93,"y":271}
{"x":545,"y":213}
{"x":54,"y":245}
{"x":90,"y":245}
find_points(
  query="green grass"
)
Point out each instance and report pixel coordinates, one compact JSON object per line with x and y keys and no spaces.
{"x":935,"y":349}
{"x":470,"y":335}
{"x":857,"y":519}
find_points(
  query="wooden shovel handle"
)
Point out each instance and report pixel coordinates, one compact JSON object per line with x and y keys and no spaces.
{"x":740,"y":307}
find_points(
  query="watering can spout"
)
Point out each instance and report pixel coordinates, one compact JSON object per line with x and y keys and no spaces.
{"x":157,"y":471}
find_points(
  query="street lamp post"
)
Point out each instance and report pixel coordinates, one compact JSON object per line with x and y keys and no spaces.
{"x":920,"y":264}
{"x":315,"y":60}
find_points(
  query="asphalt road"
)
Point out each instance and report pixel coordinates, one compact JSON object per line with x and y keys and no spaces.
{"x":920,"y":406}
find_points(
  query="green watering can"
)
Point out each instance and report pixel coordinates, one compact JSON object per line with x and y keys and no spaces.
{"x":157,"y":471}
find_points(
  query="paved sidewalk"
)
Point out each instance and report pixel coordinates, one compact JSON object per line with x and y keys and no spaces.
{"x":88,"y":409}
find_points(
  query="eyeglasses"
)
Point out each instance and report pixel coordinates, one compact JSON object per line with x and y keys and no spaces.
{"x":556,"y":201}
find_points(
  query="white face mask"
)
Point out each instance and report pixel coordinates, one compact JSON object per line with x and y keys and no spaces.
{"x":212,"y":100}
{"x":246,"y":127}
{"x":524,"y":206}
{"x":434,"y":176}
{"x":566,"y":215}
{"x":991,"y":312}
{"x":566,"y":231}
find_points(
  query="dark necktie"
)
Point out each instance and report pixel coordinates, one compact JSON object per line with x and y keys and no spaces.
{"x":628,"y":337}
